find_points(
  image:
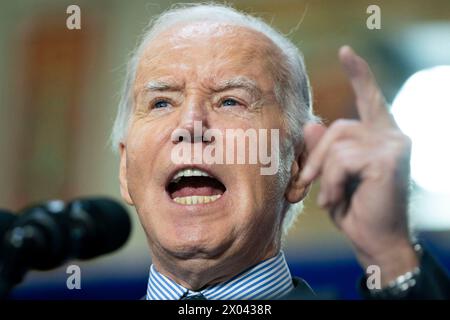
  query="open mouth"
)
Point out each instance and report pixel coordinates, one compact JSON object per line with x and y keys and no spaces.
{"x":194,"y":186}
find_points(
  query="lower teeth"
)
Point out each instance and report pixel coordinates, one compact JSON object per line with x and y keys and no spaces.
{"x":196,"y":199}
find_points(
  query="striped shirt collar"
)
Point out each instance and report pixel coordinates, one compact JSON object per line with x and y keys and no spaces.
{"x":269,"y":279}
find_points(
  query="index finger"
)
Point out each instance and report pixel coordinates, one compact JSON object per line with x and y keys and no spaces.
{"x":370,"y":102}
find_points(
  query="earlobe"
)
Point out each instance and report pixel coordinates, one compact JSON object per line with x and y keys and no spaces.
{"x":297,"y":189}
{"x":123,"y":175}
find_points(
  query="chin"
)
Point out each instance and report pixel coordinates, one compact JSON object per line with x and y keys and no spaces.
{"x":198,"y":242}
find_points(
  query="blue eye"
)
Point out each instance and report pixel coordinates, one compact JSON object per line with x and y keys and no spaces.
{"x":160,"y":104}
{"x":229,"y":103}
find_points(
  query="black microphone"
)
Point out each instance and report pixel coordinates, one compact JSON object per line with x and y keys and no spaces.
{"x":6,"y":220}
{"x":100,"y":226}
{"x":45,"y":236}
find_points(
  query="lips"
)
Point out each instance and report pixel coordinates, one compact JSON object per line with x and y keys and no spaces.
{"x":193,"y":186}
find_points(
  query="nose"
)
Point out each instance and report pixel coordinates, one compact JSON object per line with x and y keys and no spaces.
{"x":193,"y":122}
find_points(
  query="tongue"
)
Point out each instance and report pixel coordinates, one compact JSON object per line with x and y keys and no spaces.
{"x":189,"y":191}
{"x":196,"y":186}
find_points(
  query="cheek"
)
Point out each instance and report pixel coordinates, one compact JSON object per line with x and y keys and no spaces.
{"x":258,"y":198}
{"x":268,"y":193}
{"x":136,"y":164}
{"x":258,"y":214}
{"x":146,"y":140}
{"x":140,"y":161}
{"x":141,"y":139}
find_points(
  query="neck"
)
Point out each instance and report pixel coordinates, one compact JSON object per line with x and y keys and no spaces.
{"x":201,"y":271}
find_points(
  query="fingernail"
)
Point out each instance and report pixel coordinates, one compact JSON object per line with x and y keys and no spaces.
{"x":307,"y":173}
{"x":321,"y":199}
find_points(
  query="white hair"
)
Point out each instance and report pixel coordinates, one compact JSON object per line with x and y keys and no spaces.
{"x":292,"y":89}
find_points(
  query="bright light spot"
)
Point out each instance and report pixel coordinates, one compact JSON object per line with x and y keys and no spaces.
{"x":422,"y":110}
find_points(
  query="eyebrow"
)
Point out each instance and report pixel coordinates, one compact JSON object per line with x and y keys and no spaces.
{"x":239,"y":83}
{"x":160,"y":85}
{"x":233,"y":83}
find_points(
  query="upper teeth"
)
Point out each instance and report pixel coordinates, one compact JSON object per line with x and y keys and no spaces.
{"x":189,"y":173}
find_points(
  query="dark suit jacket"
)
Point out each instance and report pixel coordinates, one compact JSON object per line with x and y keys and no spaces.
{"x":432,"y":283}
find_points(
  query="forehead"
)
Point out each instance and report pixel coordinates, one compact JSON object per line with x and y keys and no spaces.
{"x":207,"y":50}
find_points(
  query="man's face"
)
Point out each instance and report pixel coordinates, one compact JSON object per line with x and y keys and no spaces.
{"x":188,"y":74}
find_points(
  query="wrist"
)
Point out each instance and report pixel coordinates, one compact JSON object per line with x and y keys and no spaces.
{"x":401,"y":286}
{"x":395,"y":261}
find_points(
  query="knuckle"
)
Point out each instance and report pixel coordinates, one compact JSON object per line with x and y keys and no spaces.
{"x":342,"y":125}
{"x":403,"y":143}
{"x":396,"y":155}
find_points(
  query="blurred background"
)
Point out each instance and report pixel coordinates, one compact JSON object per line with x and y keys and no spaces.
{"x":59,"y":90}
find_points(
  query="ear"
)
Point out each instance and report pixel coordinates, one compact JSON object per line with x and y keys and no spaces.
{"x":297,"y":189}
{"x":123,"y":175}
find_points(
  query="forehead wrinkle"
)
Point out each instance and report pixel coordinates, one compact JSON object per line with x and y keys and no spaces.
{"x":257,"y":47}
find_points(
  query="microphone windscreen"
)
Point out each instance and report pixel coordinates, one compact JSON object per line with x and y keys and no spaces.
{"x":110,"y":225}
